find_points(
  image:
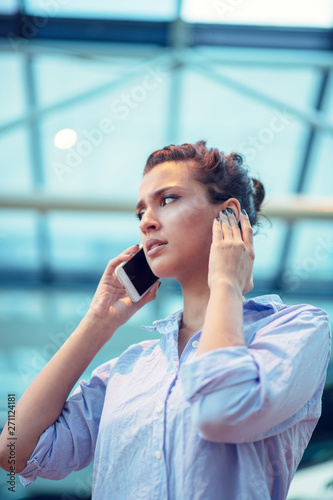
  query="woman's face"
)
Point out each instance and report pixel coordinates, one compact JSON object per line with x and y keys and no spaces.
{"x":175,"y":221}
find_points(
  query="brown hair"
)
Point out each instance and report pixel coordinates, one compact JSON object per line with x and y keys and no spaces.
{"x":224,"y":176}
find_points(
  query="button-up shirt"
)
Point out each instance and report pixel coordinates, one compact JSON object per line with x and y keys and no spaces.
{"x":229,"y":424}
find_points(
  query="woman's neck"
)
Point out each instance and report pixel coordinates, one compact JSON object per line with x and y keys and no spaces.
{"x":196,"y":295}
{"x":195,"y":298}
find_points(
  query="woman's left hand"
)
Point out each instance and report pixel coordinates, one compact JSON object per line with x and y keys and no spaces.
{"x":231,"y":255}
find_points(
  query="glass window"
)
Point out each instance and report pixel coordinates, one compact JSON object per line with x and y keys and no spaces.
{"x":268,"y":137}
{"x":319,"y":182}
{"x":116,"y":131}
{"x":261,"y":12}
{"x":311,"y":252}
{"x":86,"y":242}
{"x":15,"y":171}
{"x":320,"y":178}
{"x":12,"y":99}
{"x":268,"y":244}
{"x":18,"y":247}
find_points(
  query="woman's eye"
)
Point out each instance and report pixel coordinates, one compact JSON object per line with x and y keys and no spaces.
{"x":165,"y":201}
{"x":169,"y":197}
{"x":140,"y":215}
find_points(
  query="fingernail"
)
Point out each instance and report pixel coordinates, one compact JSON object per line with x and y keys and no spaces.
{"x":224,"y":212}
{"x":229,"y":210}
{"x":218,"y":219}
{"x":244,"y":211}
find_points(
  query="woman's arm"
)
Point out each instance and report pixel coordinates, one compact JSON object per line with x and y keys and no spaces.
{"x":43,"y":401}
{"x":241,"y":393}
{"x":230,"y":276}
{"x":248,"y":393}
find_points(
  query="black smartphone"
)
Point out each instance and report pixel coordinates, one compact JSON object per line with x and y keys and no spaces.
{"x":136,"y":276}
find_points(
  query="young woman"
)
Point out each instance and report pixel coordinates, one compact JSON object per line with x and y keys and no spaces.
{"x":223,"y":403}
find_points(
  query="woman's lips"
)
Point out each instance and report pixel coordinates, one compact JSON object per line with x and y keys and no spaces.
{"x":155,"y":249}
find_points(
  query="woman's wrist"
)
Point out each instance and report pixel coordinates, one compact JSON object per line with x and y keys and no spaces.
{"x":223,"y":325}
{"x":101,"y":329}
{"x":224,"y":285}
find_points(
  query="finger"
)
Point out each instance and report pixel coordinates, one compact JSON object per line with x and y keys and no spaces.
{"x":217,"y":231}
{"x":246,"y":229}
{"x":225,"y":226}
{"x":234,"y":225}
{"x":124,"y":256}
{"x":131,"y":250}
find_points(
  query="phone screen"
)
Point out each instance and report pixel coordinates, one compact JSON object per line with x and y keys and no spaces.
{"x":139,"y":272}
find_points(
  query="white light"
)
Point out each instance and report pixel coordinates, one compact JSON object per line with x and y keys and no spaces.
{"x":65,"y":138}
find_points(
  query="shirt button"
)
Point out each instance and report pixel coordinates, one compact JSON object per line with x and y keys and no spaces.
{"x":159,"y":408}
{"x":158,"y":455}
{"x":195,"y":343}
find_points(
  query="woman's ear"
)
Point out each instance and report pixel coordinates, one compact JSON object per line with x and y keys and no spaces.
{"x":234,"y":204}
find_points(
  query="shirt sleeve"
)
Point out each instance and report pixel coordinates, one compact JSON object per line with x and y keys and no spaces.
{"x":241,"y":394}
{"x":69,"y":443}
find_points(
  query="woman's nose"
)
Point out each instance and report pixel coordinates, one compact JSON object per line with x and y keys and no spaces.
{"x":148,"y":222}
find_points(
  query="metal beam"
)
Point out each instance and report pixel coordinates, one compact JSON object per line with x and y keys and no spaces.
{"x":314,"y":118}
{"x":156,"y":32}
{"x":303,"y":174}
{"x":287,"y":207}
{"x":195,"y":59}
{"x":323,"y":88}
{"x":87,"y":95}
{"x":240,"y":56}
{"x":273,"y":37}
{"x":267,"y":58}
{"x":69,"y":28}
{"x":178,"y":39}
{"x":88,"y":51}
{"x":35,"y":145}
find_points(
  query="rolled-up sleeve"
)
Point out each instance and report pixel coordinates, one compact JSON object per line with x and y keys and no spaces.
{"x":246,"y":393}
{"x":69,"y":443}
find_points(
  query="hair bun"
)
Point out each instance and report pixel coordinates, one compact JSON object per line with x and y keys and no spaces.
{"x":259,"y":194}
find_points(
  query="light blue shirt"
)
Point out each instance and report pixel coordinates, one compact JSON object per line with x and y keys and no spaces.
{"x":230,"y":424}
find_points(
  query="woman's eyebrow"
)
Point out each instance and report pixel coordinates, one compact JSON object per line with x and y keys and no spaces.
{"x":155,"y":195}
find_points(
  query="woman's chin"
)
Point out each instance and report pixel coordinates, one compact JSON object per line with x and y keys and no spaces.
{"x":163,"y":271}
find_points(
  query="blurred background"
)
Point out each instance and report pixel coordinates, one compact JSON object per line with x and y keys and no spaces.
{"x":87,"y":91}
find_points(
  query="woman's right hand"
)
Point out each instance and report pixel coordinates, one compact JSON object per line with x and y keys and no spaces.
{"x":111,"y":305}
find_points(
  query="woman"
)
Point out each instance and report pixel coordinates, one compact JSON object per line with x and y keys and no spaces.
{"x":223,"y":403}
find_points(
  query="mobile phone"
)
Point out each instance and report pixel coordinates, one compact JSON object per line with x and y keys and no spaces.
{"x":136,"y":276}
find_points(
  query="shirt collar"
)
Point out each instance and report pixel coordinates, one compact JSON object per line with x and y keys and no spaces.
{"x":168,"y":324}
{"x":172,"y":322}
{"x":271,"y":301}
